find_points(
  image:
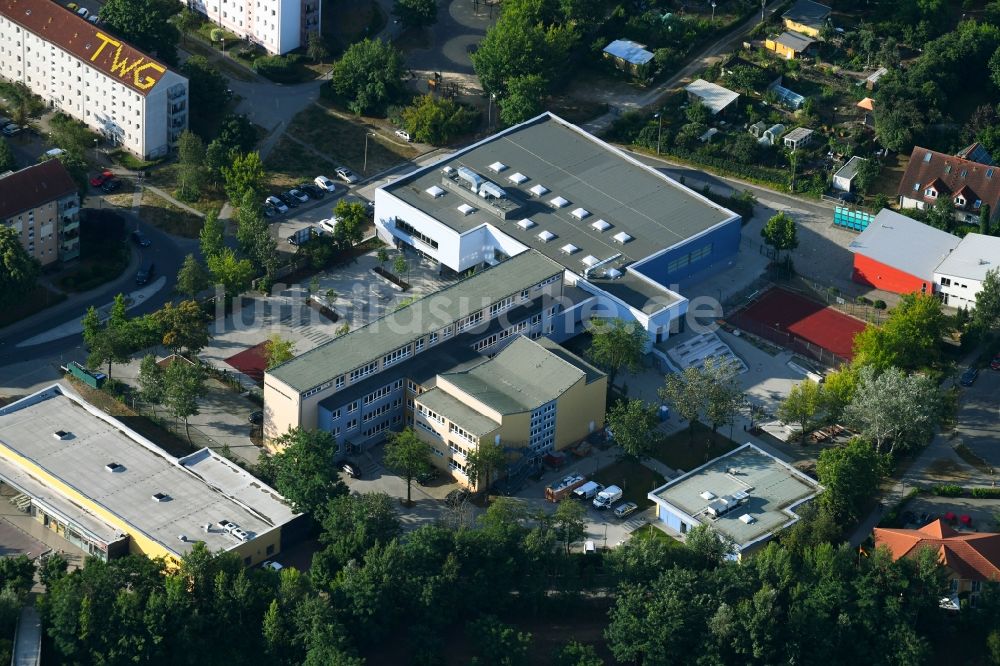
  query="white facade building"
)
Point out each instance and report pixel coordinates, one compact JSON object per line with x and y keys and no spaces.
{"x":959,"y":278}
{"x":279,"y":26}
{"x":626,"y":234}
{"x":131,"y":99}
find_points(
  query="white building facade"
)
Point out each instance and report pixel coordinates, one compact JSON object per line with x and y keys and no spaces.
{"x":959,"y":278}
{"x":134,"y":101}
{"x":279,"y":26}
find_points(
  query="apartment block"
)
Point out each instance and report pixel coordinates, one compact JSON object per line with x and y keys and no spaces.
{"x":279,"y":26}
{"x":41,"y":204}
{"x":128,"y":97}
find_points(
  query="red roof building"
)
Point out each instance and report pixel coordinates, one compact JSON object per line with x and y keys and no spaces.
{"x":966,"y":183}
{"x":971,"y":558}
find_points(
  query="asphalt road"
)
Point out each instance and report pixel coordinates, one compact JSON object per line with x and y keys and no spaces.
{"x":979,"y":417}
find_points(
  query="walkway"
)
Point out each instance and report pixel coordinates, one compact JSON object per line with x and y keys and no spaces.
{"x":164,"y":195}
{"x":28,"y":638}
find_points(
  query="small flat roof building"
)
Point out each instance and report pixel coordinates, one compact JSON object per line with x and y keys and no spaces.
{"x":747,"y":495}
{"x":899,"y":254}
{"x":111,"y":491}
{"x":795,"y":41}
{"x":797,"y":138}
{"x":629,"y":56}
{"x":713,"y":96}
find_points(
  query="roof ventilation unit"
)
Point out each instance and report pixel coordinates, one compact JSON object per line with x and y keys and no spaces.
{"x":622,"y":237}
{"x":474,"y":180}
{"x":517,"y":178}
{"x":539,"y":190}
{"x":497,"y":167}
{"x":558,"y":202}
{"x":61,"y":434}
{"x":434,"y":191}
{"x":114,"y":467}
{"x":545,"y":236}
{"x":613,"y":274}
{"x":580,"y":213}
{"x":526,"y":223}
{"x":747,"y":519}
{"x":182,"y":537}
{"x":448,"y":170}
{"x":601,"y":225}
{"x":490,"y":190}
{"x":707,"y":495}
{"x":466,"y":209}
{"x":161,"y":497}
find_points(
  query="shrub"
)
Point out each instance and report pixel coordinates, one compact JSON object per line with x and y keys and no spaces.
{"x":276,"y":68}
{"x":985,"y":493}
{"x":948,"y":490}
{"x":880,"y":305}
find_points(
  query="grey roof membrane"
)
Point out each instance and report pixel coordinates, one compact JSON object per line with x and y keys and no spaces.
{"x":904,"y":243}
{"x":522,"y":377}
{"x":424,"y":316}
{"x":772,"y":485}
{"x":199,"y":494}
{"x":654,"y":210}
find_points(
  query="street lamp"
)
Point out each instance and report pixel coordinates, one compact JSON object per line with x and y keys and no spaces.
{"x":96,"y":156}
{"x":713,"y":11}
{"x":364,"y":169}
{"x":659,"y":132}
{"x":489,"y":112}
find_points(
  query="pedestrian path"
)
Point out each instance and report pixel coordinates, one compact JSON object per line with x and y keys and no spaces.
{"x":28,"y":638}
{"x":164,"y":195}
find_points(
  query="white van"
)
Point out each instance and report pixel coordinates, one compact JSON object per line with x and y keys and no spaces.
{"x":607,"y":497}
{"x":587,"y":490}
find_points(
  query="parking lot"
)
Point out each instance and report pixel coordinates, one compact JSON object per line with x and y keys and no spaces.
{"x":979,"y":417}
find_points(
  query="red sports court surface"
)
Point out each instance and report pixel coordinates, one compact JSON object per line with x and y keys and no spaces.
{"x":778,"y":313}
{"x":250,"y":362}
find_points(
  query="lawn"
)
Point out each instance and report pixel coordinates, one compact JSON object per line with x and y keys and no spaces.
{"x":635,"y":480}
{"x":647,"y":532}
{"x":682,"y":451}
{"x":164,"y":215}
{"x":341,"y":139}
{"x":165,"y":178}
{"x":289,"y":164}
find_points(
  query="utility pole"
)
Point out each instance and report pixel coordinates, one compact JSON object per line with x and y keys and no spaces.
{"x":762,"y":2}
{"x":364,"y":169}
{"x":659,"y":131}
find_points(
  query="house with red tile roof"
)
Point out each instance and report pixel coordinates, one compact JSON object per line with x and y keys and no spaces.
{"x":971,"y":558}
{"x":968,"y":184}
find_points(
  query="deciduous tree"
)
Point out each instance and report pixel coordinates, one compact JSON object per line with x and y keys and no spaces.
{"x":986,"y":314}
{"x":253,"y":233}
{"x":438,"y":120}
{"x":850,"y":475}
{"x":184,"y":385}
{"x":723,"y":396}
{"x":525,"y":98}
{"x":278,"y":350}
{"x":184,"y":326}
{"x":616,"y":345}
{"x":233,"y":273}
{"x":369,"y":75}
{"x":415,"y":13}
{"x":245,"y":174}
{"x":351,"y":222}
{"x":193,"y":277}
{"x":484,"y":462}
{"x":803,"y":406}
{"x":633,"y":425}
{"x":893,"y":410}
{"x":211,"y":239}
{"x":18,"y":269}
{"x":408,"y":456}
{"x":780,"y":233}
{"x":909,"y":339}
{"x":570,"y":521}
{"x":7,"y":160}
{"x":303,"y":469}
{"x":145,"y":24}
{"x":152,"y":382}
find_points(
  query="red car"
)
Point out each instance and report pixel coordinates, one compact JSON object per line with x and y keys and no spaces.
{"x":101,"y":178}
{"x":995,"y":363}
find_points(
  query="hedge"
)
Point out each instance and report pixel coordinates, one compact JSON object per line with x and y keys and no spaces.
{"x":948,"y":490}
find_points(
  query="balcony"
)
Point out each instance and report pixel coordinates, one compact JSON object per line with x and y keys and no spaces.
{"x":177,"y":91}
{"x":72,"y":210}
{"x":69,"y":250}
{"x":70,"y":225}
{"x":177,"y":108}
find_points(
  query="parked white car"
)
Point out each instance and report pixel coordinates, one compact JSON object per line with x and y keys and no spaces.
{"x":278,"y":204}
{"x":272,"y":565}
{"x":324,"y":183}
{"x":83,"y":12}
{"x":328,"y":225}
{"x":403,"y":134}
